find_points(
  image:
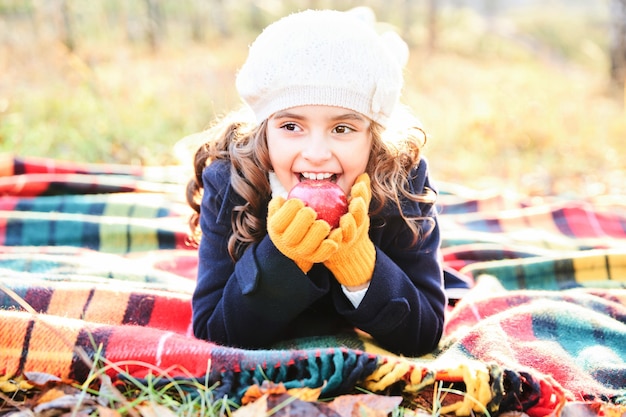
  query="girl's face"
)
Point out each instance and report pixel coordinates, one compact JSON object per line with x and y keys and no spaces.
{"x":318,"y":142}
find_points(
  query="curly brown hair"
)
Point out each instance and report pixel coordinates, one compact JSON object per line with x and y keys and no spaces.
{"x":244,"y":143}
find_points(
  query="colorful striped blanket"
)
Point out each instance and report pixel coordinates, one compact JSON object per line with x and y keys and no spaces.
{"x":95,"y":266}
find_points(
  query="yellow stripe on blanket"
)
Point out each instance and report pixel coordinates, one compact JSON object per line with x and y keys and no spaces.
{"x":12,"y":337}
{"x":66,"y":303}
{"x":617,"y":266}
{"x":121,"y":236}
{"x":140,"y":237}
{"x":108,"y":309}
{"x":114,"y":233}
{"x":39,"y":342}
{"x":89,"y":304}
{"x":596,"y":266}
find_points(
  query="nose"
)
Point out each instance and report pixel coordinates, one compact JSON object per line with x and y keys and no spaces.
{"x":317,"y":148}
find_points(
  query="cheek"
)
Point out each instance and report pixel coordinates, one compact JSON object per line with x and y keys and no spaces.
{"x":272,"y":155}
{"x":275,"y":150}
{"x":352,"y":168}
{"x":360,"y":156}
{"x":281,"y":159}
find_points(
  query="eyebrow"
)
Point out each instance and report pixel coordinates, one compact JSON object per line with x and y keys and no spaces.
{"x":348,"y":116}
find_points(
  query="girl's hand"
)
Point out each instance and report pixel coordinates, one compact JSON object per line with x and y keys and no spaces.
{"x":292,"y":227}
{"x":353,"y":262}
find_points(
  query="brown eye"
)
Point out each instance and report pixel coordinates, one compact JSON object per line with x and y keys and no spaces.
{"x":342,"y":129}
{"x":289,"y":126}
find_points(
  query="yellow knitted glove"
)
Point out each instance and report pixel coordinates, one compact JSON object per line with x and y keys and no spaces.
{"x":297,"y":234}
{"x":353,"y":262}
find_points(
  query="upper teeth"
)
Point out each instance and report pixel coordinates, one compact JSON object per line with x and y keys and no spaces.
{"x":317,"y":176}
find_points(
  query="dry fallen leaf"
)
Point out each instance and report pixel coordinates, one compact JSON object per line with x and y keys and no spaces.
{"x":154,"y":410}
{"x":107,"y":412}
{"x":275,"y":399}
{"x":10,"y":385}
{"x":370,"y":405}
{"x":41,"y":378}
{"x":21,"y":413}
{"x":60,"y":405}
{"x":50,"y":395}
{"x":253,"y":409}
{"x":284,"y":405}
{"x":255,"y":392}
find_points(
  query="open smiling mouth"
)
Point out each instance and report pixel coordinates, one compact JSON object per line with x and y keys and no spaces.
{"x":318,"y":176}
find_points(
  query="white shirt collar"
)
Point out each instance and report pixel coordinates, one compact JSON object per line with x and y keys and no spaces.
{"x":276,"y":186}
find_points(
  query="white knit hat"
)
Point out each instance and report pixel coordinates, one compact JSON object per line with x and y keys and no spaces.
{"x":324,"y":57}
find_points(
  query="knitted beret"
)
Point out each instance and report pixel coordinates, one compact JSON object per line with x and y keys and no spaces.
{"x":324,"y":57}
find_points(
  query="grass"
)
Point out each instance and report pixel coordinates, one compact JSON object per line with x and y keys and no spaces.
{"x":160,"y":394}
{"x":164,"y":396}
{"x":529,"y":108}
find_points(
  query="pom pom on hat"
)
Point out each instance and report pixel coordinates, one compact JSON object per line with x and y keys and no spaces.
{"x":324,"y":57}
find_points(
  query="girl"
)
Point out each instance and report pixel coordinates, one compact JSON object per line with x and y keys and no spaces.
{"x":322,"y":90}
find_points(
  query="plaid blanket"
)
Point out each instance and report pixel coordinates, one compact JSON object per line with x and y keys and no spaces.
{"x":95,"y":267}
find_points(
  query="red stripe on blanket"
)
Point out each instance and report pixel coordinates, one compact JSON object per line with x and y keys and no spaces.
{"x":180,"y":264}
{"x":612,"y":225}
{"x":171,"y":314}
{"x":179,"y":355}
{"x":474,"y":311}
{"x":33,"y":185}
{"x":34,"y":165}
{"x":23,"y":185}
{"x":8,"y":203}
{"x":3,"y":230}
{"x":183,"y":241}
{"x":581,"y":222}
{"x":519,"y":328}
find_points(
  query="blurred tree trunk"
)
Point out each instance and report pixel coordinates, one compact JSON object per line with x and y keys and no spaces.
{"x":618,"y":43}
{"x":256,"y":17}
{"x":220,"y":19}
{"x":408,"y":19}
{"x":209,"y":17}
{"x":200,"y":10}
{"x":490,"y":9}
{"x":53,"y":20}
{"x":156,"y":24}
{"x":67,"y":34}
{"x":433,"y":17}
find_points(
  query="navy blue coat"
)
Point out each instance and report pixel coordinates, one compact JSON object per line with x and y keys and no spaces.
{"x":265,"y":298}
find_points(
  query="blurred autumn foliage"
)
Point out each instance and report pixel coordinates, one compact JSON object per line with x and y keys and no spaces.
{"x":516,"y":95}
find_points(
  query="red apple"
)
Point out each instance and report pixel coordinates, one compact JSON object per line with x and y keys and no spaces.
{"x":325,"y":197}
